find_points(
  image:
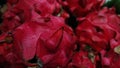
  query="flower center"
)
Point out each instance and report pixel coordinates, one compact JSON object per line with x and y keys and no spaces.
{"x":117,"y":49}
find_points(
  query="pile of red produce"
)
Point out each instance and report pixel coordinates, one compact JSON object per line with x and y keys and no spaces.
{"x":59,"y":34}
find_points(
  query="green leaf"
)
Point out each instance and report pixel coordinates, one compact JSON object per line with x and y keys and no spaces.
{"x":113,"y":3}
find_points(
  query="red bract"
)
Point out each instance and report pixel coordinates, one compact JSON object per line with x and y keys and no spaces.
{"x":98,"y":29}
{"x":81,"y":8}
{"x":81,"y":60}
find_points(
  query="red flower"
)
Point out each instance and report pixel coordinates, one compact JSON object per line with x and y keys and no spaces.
{"x":81,"y":60}
{"x":58,"y":38}
{"x":81,"y":8}
{"x":56,"y":44}
{"x":20,"y":11}
{"x":42,"y":7}
{"x":56,"y":49}
{"x":26,"y":37}
{"x":10,"y":21}
{"x":98,"y":28}
{"x":47,"y":7}
{"x":110,"y":59}
{"x":8,"y":58}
